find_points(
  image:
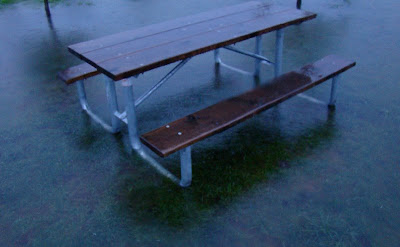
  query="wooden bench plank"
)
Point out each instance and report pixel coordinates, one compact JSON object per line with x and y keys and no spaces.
{"x":126,"y":58}
{"x":216,"y":118}
{"x":77,"y":73}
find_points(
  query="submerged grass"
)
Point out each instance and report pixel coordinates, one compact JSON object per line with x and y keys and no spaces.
{"x":222,"y":174}
{"x":9,"y":1}
{"x":17,"y":1}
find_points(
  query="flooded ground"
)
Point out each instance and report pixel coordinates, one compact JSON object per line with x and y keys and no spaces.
{"x":296,"y":175}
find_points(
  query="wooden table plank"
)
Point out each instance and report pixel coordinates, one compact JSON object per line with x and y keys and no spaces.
{"x":142,"y":32}
{"x":125,"y":58}
{"x":225,"y":114}
{"x":123,"y":67}
{"x":129,"y":48}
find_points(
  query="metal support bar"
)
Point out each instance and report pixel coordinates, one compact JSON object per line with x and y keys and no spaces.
{"x":82,"y":94}
{"x":159,"y":168}
{"x":278,"y":52}
{"x":258,"y":51}
{"x":311,"y":99}
{"x":162,"y":81}
{"x":332,"y":100}
{"x":186,"y":167}
{"x":243,"y":72}
{"x":86,"y":108}
{"x":256,"y":56}
{"x":121,"y":116}
{"x":131,"y":118}
{"x":217,"y":58}
{"x":128,"y":115}
{"x":112,"y":104}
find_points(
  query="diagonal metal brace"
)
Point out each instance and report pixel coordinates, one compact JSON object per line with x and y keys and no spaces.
{"x":243,"y":52}
{"x":162,"y":81}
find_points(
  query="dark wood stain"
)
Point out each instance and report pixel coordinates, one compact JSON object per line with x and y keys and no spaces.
{"x":123,"y":55}
{"x":142,"y":43}
{"x":225,"y":114}
{"x":153,"y":29}
{"x":77,"y":73}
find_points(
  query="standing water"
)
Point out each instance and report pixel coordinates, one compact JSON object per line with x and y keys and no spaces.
{"x":296,"y":175}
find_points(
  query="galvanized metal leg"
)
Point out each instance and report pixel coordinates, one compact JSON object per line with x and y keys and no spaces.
{"x":134,"y":136}
{"x":332,"y":100}
{"x":217,"y":58}
{"x":82,"y":94}
{"x":85,"y":106}
{"x":112,"y":104}
{"x":186,"y":167}
{"x":278,"y":52}
{"x":131,"y":117}
{"x":257,"y":51}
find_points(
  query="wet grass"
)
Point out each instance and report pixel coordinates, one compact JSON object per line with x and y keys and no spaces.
{"x":5,"y":2}
{"x":221,"y":174}
{"x":301,"y":182}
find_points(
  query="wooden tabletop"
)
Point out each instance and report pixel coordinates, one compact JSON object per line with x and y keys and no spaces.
{"x":132,"y":52}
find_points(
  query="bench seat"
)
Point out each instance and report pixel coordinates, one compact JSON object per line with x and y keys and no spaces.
{"x":76,"y":73}
{"x":225,"y":114}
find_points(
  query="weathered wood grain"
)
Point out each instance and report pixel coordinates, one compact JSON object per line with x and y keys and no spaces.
{"x":225,"y":114}
{"x":123,"y":55}
{"x":77,"y":73}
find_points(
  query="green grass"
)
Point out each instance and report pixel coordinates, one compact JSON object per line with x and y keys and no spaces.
{"x":8,"y":1}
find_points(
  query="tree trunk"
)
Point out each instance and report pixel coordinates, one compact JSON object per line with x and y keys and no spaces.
{"x":46,"y":7}
{"x":298,"y":5}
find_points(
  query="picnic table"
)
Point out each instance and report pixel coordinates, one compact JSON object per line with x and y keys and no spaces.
{"x":125,"y":55}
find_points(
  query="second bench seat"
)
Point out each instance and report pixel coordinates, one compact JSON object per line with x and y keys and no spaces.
{"x":225,"y":114}
{"x":78,"y":72}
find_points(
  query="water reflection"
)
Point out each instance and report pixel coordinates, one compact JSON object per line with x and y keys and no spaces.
{"x":222,"y":172}
{"x":337,"y":182}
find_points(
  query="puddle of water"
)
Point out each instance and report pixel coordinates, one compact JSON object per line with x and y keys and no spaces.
{"x":296,"y":175}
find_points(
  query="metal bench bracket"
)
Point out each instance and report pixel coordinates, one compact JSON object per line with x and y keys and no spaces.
{"x":130,"y":119}
{"x":333,"y":95}
{"x":186,"y":167}
{"x":332,"y":100}
{"x":278,"y":52}
{"x":85,"y":106}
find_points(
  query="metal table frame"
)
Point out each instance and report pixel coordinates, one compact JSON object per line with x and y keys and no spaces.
{"x":129,"y":115}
